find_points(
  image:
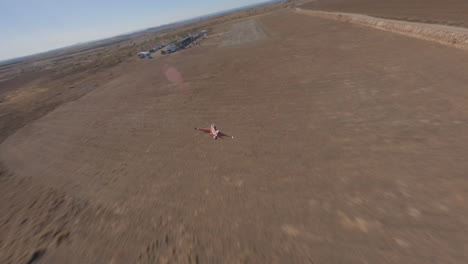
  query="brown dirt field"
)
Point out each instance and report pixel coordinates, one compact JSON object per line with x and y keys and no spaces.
{"x":244,"y":32}
{"x":448,"y":12}
{"x":33,"y":95}
{"x":350,"y":148}
{"x":447,"y":35}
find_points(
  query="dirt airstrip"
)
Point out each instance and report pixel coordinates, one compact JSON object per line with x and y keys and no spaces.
{"x":350,"y":148}
{"x":243,"y":32}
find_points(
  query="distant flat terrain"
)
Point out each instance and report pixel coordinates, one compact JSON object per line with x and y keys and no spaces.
{"x":448,"y":12}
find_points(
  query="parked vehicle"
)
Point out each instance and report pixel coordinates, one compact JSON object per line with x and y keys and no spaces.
{"x":170,"y":49}
{"x":158,"y":48}
{"x":144,"y":54}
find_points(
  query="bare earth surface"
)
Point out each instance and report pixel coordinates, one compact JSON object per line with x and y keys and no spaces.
{"x":244,"y":32}
{"x":350,"y":148}
{"x":449,"y":12}
{"x":447,"y":35}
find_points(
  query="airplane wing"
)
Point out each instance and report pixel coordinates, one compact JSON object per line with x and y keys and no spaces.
{"x":221,"y":135}
{"x":206,"y":130}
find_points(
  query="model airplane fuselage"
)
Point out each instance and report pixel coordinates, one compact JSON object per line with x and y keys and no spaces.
{"x":213,"y":132}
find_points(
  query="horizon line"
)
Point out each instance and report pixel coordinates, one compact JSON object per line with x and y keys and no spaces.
{"x":3,"y":61}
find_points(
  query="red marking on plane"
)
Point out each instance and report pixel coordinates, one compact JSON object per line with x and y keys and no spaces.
{"x":213,"y":132}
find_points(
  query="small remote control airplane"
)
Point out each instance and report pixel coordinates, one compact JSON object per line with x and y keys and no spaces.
{"x":213,"y":132}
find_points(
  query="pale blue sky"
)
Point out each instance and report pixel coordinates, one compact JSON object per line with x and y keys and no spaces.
{"x":32,"y":26}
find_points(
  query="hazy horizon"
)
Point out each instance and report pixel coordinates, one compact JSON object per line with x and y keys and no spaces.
{"x":31,"y":28}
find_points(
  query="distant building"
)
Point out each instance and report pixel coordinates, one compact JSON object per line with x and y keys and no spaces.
{"x":186,"y":41}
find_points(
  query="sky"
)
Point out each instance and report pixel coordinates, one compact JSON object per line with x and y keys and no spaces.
{"x":33,"y":26}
